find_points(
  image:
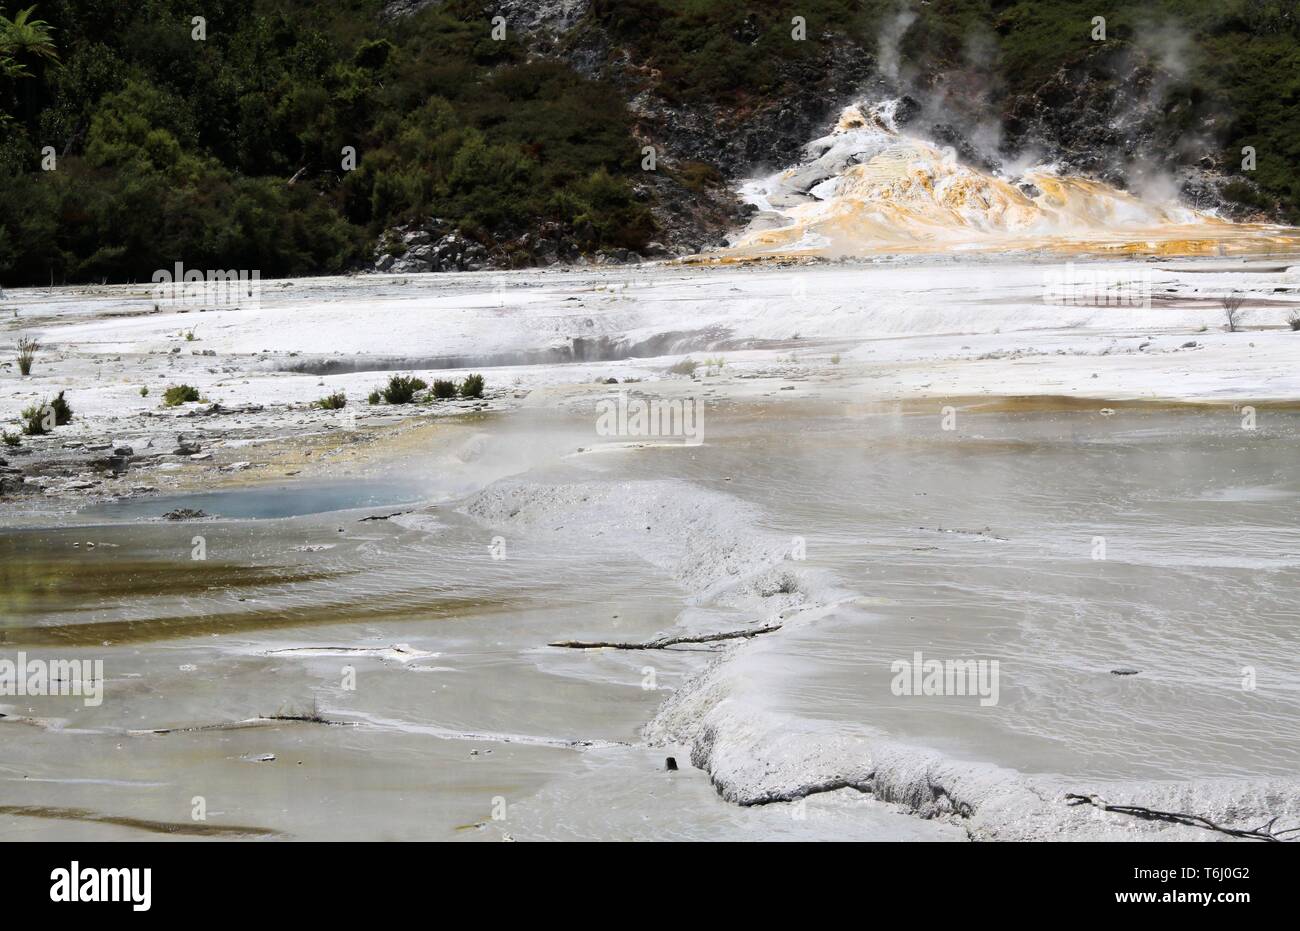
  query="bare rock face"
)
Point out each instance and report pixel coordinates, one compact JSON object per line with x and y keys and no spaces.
{"x":1121,"y":117}
{"x":429,"y":248}
{"x":524,"y":15}
{"x":396,"y":9}
{"x":552,"y":15}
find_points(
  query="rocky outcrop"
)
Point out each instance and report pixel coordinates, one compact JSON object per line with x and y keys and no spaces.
{"x":431,"y":247}
{"x":428,"y":248}
{"x":525,"y":15}
{"x":1116,"y":115}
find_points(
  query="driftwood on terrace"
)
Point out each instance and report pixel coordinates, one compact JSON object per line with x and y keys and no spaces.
{"x":665,"y":642}
{"x":1265,"y":832}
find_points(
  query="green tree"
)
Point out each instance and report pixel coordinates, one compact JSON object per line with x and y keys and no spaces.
{"x":25,"y":44}
{"x":24,"y":41}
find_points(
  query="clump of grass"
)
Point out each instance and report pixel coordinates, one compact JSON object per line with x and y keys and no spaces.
{"x":333,"y":402}
{"x":27,"y":349}
{"x":11,"y":439}
{"x":401,"y":389}
{"x":1232,"y":310}
{"x":144,"y":391}
{"x":40,"y":419}
{"x":1293,"y":321}
{"x":444,"y":388}
{"x":374,"y":397}
{"x":190,"y":336}
{"x":177,"y":395}
{"x":686,"y":366}
{"x":34,"y":420}
{"x":472,"y":386}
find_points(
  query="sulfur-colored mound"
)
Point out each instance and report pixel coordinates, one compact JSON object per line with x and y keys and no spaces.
{"x":867,"y":188}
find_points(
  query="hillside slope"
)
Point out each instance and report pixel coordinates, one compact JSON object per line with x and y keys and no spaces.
{"x":302,"y":138}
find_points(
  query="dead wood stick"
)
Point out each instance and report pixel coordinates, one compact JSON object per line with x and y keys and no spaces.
{"x":665,"y":642}
{"x":1264,"y":832}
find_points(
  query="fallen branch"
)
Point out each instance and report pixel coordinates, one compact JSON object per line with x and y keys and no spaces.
{"x":1264,"y":832}
{"x":665,"y":642}
{"x":217,"y":410}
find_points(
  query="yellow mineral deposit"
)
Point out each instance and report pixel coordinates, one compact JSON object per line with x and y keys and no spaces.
{"x":908,"y":196}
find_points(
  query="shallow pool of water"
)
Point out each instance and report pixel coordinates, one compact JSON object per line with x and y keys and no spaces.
{"x":398,"y":679}
{"x":263,"y":502}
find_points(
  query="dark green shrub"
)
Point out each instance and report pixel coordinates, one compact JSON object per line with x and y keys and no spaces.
{"x":444,"y":389}
{"x":176,"y":395}
{"x":333,"y":402}
{"x":472,"y":387}
{"x":35,"y":420}
{"x":40,"y":419}
{"x":62,"y":410}
{"x":401,"y":389}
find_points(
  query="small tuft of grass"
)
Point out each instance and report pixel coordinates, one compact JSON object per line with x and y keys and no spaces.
{"x":333,"y":402}
{"x":1293,"y":321}
{"x":472,"y":386}
{"x":686,"y":366}
{"x":177,"y":395}
{"x":444,"y":388}
{"x":27,"y":349}
{"x":308,"y":714}
{"x":11,"y":439}
{"x":374,"y":397}
{"x":144,"y":391}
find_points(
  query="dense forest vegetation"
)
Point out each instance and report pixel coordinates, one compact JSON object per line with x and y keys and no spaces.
{"x":227,"y":152}
{"x":168,"y":147}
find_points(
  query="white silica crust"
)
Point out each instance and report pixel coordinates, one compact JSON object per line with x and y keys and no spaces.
{"x":711,"y":545}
